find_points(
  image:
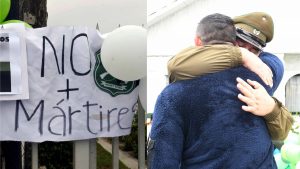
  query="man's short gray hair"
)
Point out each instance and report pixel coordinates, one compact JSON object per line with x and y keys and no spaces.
{"x":216,"y":28}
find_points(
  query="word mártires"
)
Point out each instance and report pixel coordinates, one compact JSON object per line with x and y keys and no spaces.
{"x":65,"y":114}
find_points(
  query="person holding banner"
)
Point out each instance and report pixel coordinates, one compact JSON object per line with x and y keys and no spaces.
{"x":199,"y":123}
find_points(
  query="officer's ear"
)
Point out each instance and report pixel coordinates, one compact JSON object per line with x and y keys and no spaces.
{"x":198,"y":41}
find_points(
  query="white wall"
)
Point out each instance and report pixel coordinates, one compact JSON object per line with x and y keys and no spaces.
{"x":156,"y":79}
{"x":177,"y":31}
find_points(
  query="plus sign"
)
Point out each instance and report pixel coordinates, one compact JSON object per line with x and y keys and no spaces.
{"x":67,"y":90}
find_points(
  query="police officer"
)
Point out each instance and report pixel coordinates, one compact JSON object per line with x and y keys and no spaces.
{"x":254,"y":31}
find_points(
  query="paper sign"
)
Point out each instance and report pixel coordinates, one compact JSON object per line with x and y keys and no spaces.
{"x":67,"y":100}
{"x":13,"y":62}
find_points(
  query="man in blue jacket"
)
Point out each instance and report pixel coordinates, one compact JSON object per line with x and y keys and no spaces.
{"x":199,"y":123}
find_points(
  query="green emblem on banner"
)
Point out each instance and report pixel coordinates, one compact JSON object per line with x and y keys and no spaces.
{"x":108,"y":83}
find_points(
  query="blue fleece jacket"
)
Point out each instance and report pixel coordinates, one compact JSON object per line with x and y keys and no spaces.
{"x":199,"y":124}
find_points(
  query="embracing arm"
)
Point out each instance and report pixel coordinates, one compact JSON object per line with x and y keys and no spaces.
{"x":258,"y":102}
{"x":279,"y":121}
{"x":197,"y":61}
{"x":276,"y":66}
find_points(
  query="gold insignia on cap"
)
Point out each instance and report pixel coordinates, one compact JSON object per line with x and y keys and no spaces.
{"x":256,"y":32}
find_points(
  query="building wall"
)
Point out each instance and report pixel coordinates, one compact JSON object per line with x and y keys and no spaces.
{"x":156,"y":79}
{"x":172,"y":33}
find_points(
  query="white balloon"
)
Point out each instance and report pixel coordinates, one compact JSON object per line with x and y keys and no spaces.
{"x":143,"y":92}
{"x":124,"y":51}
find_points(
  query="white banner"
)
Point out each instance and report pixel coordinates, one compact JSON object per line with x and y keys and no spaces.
{"x":71,"y":96}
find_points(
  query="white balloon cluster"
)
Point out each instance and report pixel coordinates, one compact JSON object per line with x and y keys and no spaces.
{"x":124,"y":56}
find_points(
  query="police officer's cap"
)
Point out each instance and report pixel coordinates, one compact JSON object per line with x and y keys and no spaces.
{"x":256,"y":28}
